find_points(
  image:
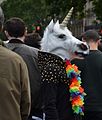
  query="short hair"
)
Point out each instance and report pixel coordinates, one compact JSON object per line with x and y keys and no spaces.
{"x":33,"y":40}
{"x":1,"y":18}
{"x":15,"y":27}
{"x":90,"y":35}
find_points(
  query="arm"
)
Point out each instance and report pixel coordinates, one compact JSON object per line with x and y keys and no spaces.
{"x":25,"y":92}
{"x":49,"y":100}
{"x":49,"y":93}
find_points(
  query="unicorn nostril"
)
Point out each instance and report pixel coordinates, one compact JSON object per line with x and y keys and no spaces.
{"x":83,"y":46}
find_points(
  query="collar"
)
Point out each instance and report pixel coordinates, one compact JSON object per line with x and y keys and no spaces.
{"x":67,"y":62}
{"x":16,"y":41}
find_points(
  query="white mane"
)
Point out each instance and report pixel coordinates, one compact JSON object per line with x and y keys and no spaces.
{"x":60,"y":41}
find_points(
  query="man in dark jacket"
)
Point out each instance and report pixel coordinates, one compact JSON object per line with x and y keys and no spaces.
{"x":91,"y":74}
{"x":15,"y":31}
{"x":14,"y":84}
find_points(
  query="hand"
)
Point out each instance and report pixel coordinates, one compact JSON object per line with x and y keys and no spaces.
{"x":74,"y":56}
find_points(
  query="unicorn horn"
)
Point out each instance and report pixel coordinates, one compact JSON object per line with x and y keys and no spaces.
{"x":66,"y":19}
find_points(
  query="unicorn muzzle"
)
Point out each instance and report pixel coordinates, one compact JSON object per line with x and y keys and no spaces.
{"x":83,"y":46}
{"x":83,"y":50}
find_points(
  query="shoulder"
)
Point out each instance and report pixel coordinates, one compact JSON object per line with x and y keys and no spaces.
{"x":95,"y":53}
{"x":50,"y":59}
{"x":99,"y":52}
{"x":50,"y":56}
{"x":51,"y":67}
{"x":12,"y":56}
{"x":31,"y":51}
{"x":23,"y":49}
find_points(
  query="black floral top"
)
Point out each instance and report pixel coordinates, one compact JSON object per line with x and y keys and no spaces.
{"x":55,"y":91}
{"x":52,"y":68}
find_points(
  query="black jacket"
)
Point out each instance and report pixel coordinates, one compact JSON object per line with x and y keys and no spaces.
{"x":29,"y":54}
{"x":55,"y":91}
{"x":91,"y":74}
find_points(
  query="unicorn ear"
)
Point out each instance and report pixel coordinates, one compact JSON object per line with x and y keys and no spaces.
{"x":57,"y":25}
{"x":51,"y":25}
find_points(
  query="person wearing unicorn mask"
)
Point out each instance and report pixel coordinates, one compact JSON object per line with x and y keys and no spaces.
{"x":63,"y":96}
{"x":14,"y":84}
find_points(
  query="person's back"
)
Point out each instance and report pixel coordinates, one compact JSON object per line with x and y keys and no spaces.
{"x":91,"y":74}
{"x":55,"y":89}
{"x":14,"y":87}
{"x":15,"y":28}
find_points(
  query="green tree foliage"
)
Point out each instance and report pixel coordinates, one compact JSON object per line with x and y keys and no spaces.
{"x":61,"y":7}
{"x":33,"y":11}
{"x":29,"y":10}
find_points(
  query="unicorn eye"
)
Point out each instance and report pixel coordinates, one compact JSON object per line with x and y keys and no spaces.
{"x":61,"y":36}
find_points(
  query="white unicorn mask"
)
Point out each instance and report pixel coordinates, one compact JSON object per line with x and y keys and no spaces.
{"x":59,"y":40}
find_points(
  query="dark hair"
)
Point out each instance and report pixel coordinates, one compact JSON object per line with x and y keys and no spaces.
{"x":33,"y":40}
{"x":15,"y":27}
{"x":91,"y":35}
{"x":1,"y":18}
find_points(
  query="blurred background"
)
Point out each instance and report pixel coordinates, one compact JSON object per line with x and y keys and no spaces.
{"x":38,"y":13}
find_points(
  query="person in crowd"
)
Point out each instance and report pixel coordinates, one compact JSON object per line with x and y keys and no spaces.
{"x":91,"y":74}
{"x":14,"y":84}
{"x":33,"y":40}
{"x":15,"y":30}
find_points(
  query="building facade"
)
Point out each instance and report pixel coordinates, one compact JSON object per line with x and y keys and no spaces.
{"x":79,"y":26}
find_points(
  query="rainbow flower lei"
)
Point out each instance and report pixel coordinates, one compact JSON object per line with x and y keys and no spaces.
{"x":76,"y":91}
